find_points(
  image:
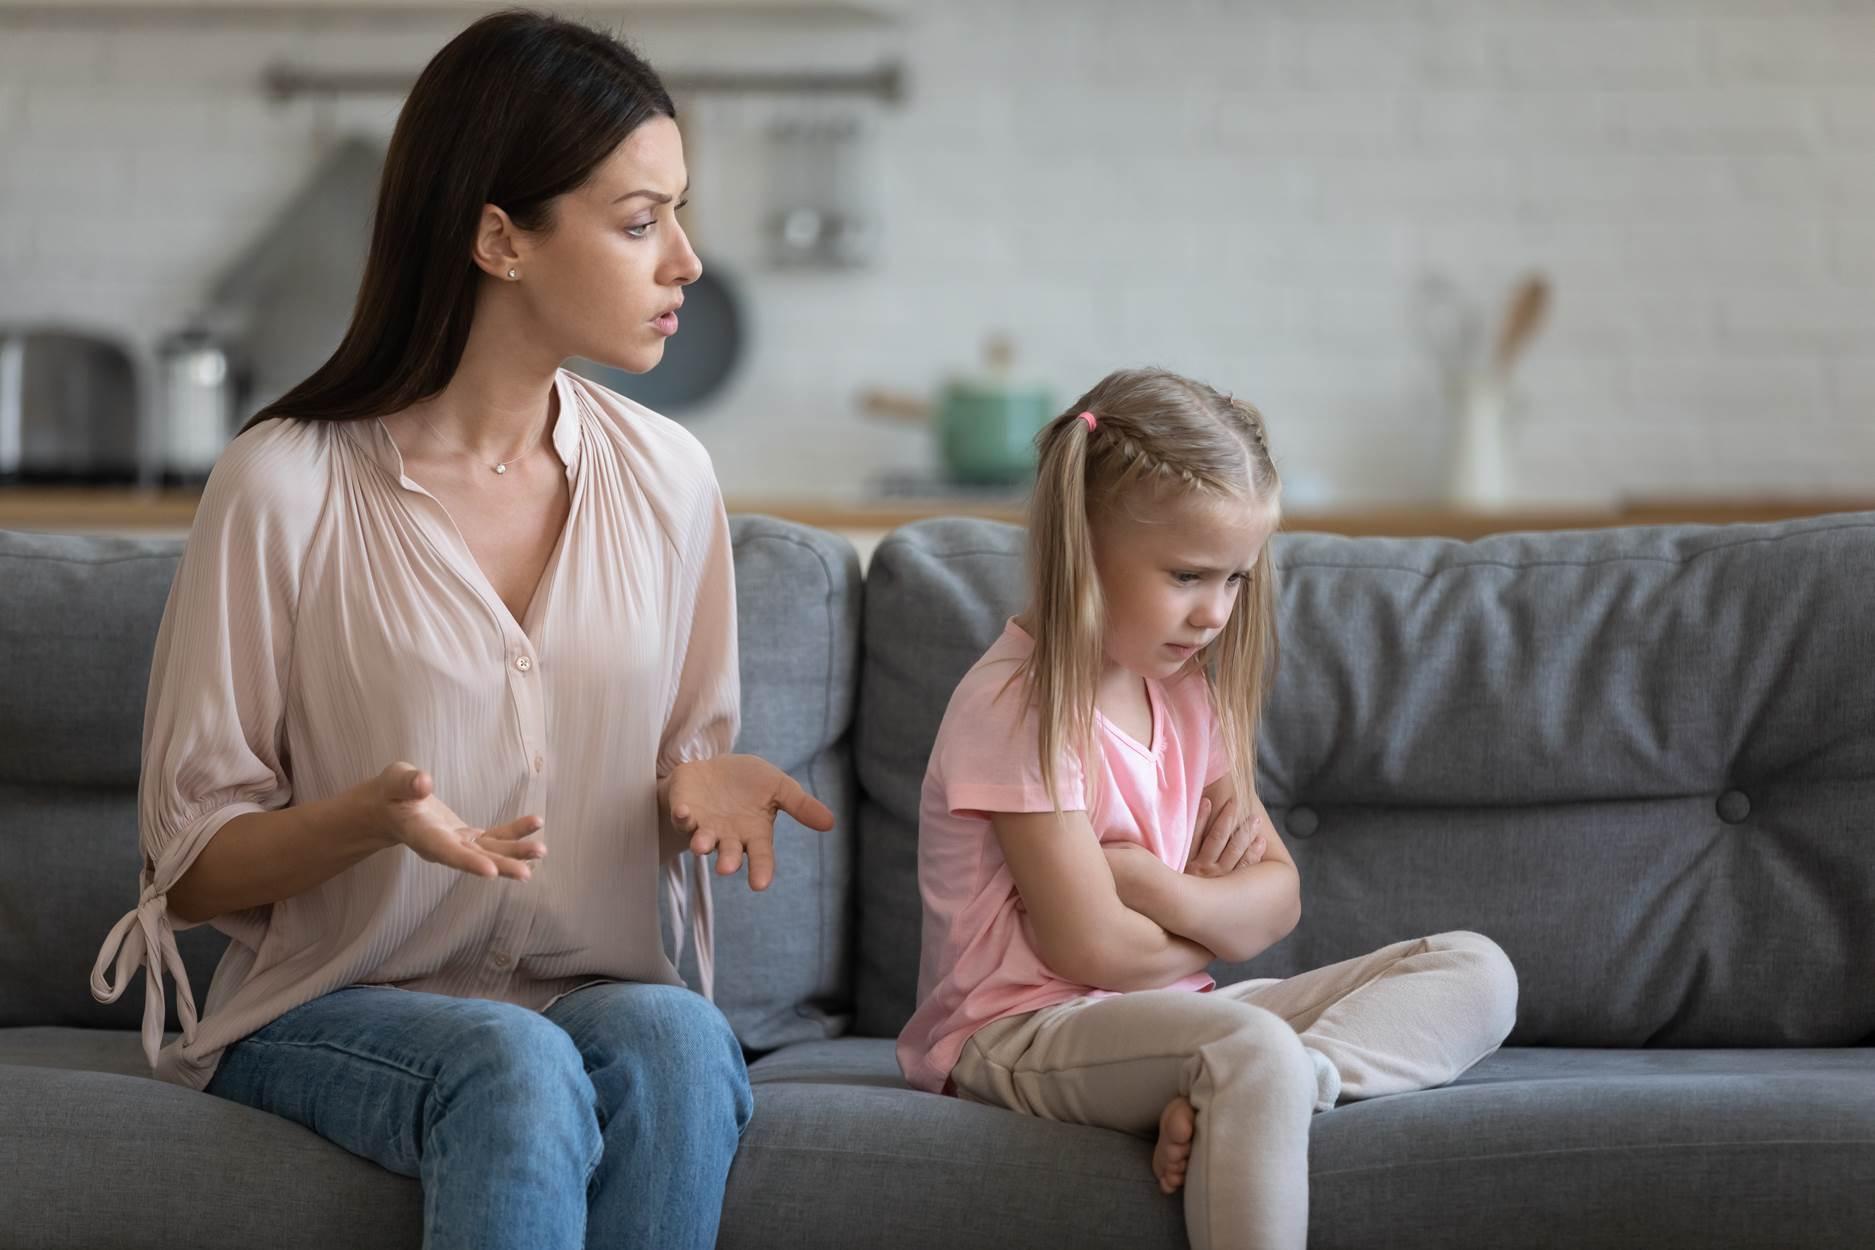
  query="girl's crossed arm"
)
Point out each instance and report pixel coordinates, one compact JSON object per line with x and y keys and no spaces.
{"x":1080,"y":927}
{"x":1238,"y":914}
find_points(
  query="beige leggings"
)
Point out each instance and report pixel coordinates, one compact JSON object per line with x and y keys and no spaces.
{"x":1409,"y":1016}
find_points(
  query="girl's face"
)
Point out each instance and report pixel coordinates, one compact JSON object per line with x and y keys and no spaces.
{"x":606,"y":278}
{"x":1172,"y":573}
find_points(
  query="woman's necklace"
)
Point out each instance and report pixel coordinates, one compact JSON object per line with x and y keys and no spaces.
{"x":500,"y":466}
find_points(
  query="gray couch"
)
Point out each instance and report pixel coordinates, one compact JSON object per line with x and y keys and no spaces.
{"x":1643,"y":761}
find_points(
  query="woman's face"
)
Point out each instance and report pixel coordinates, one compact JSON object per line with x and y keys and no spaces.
{"x":606,"y":278}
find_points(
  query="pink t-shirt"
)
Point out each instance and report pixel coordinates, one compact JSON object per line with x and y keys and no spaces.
{"x":977,"y":963}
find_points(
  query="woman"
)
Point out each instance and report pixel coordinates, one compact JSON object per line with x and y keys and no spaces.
{"x":446,"y":681}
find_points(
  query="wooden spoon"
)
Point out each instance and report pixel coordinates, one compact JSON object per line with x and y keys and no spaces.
{"x":1526,"y":311}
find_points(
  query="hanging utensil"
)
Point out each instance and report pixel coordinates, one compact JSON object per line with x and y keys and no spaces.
{"x":1480,"y":472}
{"x":1525,"y":316}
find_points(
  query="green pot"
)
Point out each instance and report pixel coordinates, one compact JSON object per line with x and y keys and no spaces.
{"x":987,"y":431}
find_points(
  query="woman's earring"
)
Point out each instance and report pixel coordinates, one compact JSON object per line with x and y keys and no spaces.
{"x":513,"y":274}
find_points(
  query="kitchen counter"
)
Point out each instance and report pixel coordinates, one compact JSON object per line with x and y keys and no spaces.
{"x":131,"y":511}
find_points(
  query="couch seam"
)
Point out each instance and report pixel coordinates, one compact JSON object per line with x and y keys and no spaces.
{"x":1448,"y":1160}
{"x":805,"y":1148}
{"x":1001,"y":1164}
{"x":973,"y":551}
{"x":91,"y":563}
{"x":1681,"y":561}
{"x":1286,"y":566}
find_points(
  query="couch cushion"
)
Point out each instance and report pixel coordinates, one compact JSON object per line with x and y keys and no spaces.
{"x":79,"y":620}
{"x":937,"y":594}
{"x":78,"y":623}
{"x":119,"y":1051}
{"x":95,"y":1160}
{"x":1538,"y":1148}
{"x":782,"y":955}
{"x":81,"y":842}
{"x":1642,"y":760}
{"x":1653,"y":1148}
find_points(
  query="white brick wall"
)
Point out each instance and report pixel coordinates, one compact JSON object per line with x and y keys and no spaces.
{"x":1247,"y":191}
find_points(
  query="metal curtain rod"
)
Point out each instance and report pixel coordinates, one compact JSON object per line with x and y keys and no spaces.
{"x":90,"y":14}
{"x":886,"y":83}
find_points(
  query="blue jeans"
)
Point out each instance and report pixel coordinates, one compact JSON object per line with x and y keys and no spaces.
{"x":609,"y":1120}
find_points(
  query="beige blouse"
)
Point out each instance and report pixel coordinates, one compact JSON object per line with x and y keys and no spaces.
{"x":327,"y":619}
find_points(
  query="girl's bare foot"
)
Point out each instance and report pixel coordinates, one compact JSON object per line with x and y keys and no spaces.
{"x":1173,"y":1153}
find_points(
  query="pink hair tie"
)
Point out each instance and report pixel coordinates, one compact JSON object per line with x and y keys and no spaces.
{"x":1091,"y":420}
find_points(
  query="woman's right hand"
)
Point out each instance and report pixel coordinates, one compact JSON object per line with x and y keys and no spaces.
{"x":404,"y":809}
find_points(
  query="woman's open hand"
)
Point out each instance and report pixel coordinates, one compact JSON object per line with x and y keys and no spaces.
{"x":727,"y":804}
{"x":402,"y":805}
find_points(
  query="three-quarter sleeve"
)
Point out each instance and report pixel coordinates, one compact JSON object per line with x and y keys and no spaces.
{"x":212,"y":731}
{"x":705,"y":712}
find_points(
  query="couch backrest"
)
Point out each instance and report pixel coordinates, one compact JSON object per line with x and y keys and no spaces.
{"x":783,"y":957}
{"x":1642,"y":760}
{"x":78,"y":619}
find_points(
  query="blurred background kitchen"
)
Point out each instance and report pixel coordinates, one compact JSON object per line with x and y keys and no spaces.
{"x":1483,"y":265}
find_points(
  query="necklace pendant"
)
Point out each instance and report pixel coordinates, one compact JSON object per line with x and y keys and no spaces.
{"x":501,"y":468}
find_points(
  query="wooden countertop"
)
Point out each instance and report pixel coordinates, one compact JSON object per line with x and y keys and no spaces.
{"x":126,"y":510}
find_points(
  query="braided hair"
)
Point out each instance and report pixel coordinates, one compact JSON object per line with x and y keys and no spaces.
{"x":1146,"y":434}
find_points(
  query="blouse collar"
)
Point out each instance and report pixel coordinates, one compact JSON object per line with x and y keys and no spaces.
{"x":376,"y":441}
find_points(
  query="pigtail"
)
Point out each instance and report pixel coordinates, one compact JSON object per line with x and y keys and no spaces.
{"x":1066,"y":608}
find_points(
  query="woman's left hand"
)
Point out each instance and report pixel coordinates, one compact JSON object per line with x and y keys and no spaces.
{"x":727,"y":804}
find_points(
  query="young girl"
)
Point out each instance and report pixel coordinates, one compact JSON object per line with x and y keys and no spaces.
{"x":1071,"y":909}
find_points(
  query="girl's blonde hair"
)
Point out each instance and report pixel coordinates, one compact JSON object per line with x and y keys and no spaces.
{"x":1155,"y":433}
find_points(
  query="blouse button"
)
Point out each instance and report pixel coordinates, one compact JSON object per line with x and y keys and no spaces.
{"x":523,"y":663}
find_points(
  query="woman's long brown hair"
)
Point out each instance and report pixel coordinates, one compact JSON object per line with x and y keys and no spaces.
{"x":517,"y":109}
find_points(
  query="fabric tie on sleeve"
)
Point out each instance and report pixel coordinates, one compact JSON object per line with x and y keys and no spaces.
{"x":145,"y":936}
{"x":688,"y":874}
